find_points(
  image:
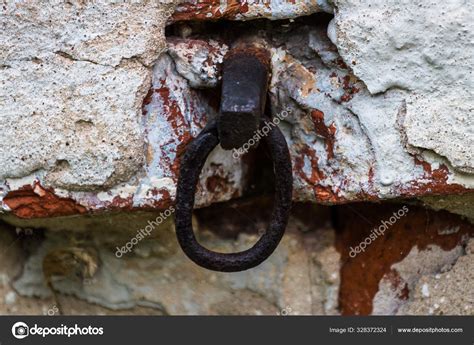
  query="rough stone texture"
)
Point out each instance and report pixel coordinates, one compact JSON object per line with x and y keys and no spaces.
{"x":198,"y":60}
{"x":95,"y":115}
{"x":76,"y":133}
{"x":426,"y":49}
{"x":310,"y":273}
{"x":459,"y":204}
{"x":416,"y":264}
{"x":94,"y":118}
{"x":53,"y":124}
{"x":300,"y":278}
{"x":448,"y":293}
{"x":73,"y":80}
{"x":72,"y":87}
{"x":13,"y":258}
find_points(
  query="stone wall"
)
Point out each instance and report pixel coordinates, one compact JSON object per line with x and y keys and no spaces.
{"x":99,"y":100}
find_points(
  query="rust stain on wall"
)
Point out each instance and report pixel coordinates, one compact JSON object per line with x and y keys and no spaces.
{"x":434,"y":182}
{"x":316,"y":174}
{"x":348,"y":85}
{"x":328,"y":133}
{"x":176,"y":119}
{"x":360,"y":275}
{"x":172,"y":111}
{"x":38,"y":202}
{"x":209,"y":10}
{"x":147,"y":100}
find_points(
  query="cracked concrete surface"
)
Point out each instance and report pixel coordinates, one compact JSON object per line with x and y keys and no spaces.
{"x":74,"y":121}
{"x":101,"y":33}
{"x":424,"y":48}
{"x":96,"y":113}
{"x":73,"y":81}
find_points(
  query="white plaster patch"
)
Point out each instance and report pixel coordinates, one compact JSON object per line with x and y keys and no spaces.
{"x":425,"y":290}
{"x":17,"y":183}
{"x":198,"y":61}
{"x":426,"y":49}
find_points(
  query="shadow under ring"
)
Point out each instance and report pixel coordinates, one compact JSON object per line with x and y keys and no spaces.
{"x":191,"y":165}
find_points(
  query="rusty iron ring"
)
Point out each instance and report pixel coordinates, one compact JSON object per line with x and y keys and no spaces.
{"x":190,"y":169}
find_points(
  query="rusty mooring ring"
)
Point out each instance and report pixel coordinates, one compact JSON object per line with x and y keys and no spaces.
{"x":190,"y":169}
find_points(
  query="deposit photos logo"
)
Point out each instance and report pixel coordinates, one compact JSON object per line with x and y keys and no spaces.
{"x":143,"y":233}
{"x":261,"y":133}
{"x":21,"y":330}
{"x":378,"y":231}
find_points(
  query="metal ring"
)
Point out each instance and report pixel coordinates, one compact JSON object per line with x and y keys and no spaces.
{"x":190,"y":169}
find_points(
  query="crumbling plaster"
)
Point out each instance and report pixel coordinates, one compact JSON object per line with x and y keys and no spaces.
{"x":96,"y":113}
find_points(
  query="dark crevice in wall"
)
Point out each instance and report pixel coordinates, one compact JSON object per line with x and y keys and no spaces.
{"x":227,"y":32}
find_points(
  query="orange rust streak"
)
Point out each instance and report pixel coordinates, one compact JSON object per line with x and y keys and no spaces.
{"x":437,"y":183}
{"x":360,"y":276}
{"x":316,"y":174}
{"x":165,"y":201}
{"x":349,"y":88}
{"x":322,"y":193}
{"x":177,"y":121}
{"x":26,"y":203}
{"x":172,"y":111}
{"x":328,"y":133}
{"x":326,"y":195}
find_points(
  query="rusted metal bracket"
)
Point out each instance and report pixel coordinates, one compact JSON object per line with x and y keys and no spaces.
{"x":236,"y":124}
{"x":245,"y":76}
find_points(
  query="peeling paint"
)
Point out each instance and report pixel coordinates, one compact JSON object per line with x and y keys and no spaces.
{"x":38,"y":202}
